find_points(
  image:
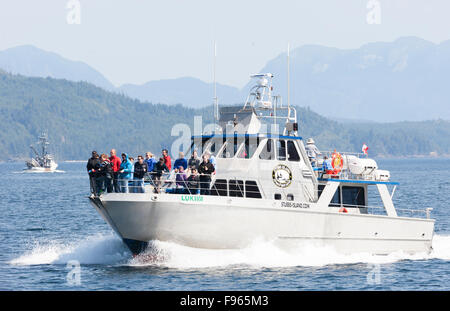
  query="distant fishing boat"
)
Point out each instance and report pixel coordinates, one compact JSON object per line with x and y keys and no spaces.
{"x":42,"y":161}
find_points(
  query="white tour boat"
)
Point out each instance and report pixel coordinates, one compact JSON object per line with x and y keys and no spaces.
{"x":265,"y":187}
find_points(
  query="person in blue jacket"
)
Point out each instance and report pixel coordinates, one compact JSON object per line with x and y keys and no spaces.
{"x":150,"y":160}
{"x":125,"y":170}
{"x":181,"y":161}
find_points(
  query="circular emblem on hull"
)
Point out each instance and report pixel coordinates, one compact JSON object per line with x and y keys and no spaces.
{"x":282,"y":176}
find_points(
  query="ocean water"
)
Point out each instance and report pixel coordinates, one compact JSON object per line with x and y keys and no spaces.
{"x":47,"y":226}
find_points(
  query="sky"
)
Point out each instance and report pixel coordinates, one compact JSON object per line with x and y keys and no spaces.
{"x":136,"y":41}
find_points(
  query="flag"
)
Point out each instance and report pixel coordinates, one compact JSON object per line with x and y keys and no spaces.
{"x":364,"y":149}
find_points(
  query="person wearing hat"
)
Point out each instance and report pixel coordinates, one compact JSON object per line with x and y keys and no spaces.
{"x":312,"y":151}
{"x":92,"y":163}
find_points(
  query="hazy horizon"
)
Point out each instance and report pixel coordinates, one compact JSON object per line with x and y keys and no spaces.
{"x":136,"y":42}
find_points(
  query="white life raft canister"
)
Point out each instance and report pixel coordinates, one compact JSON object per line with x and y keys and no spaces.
{"x":382,"y":175}
{"x":360,"y":166}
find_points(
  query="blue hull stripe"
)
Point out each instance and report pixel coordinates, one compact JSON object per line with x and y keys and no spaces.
{"x":369,"y":182}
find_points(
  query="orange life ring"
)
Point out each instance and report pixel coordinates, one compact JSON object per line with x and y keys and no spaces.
{"x":343,"y":210}
{"x":337,"y":162}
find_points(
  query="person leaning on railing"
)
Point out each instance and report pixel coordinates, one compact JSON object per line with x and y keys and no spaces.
{"x":140,"y":169}
{"x":312,"y":151}
{"x":158,"y":170}
{"x":104,"y":179}
{"x":205,"y":169}
{"x":180,"y":179}
{"x":193,"y":182}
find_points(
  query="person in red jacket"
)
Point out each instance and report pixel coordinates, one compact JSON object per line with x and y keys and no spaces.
{"x":167,"y":159}
{"x":115,"y":162}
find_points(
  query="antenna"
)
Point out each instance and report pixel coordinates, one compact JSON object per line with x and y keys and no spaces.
{"x":216,"y":106}
{"x":288,"y":92}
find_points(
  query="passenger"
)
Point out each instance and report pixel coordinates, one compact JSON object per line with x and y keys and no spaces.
{"x":158,"y":170}
{"x":90,"y":166}
{"x":130,"y":182}
{"x":181,"y":161}
{"x":194,"y":160}
{"x":104,"y":175}
{"x":140,"y":169}
{"x":193,"y":181}
{"x":126,"y":169}
{"x":205,"y":169}
{"x":327,"y":167}
{"x":150,"y":161}
{"x":167,"y":159}
{"x":181,"y":179}
{"x":312,"y":151}
{"x":212,"y":159}
{"x":115,"y":162}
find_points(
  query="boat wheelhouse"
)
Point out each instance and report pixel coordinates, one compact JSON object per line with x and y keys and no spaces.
{"x":265,"y":187}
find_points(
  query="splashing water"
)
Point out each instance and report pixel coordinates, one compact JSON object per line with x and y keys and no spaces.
{"x":110,"y":250}
{"x":267,"y":254}
{"x":99,"y":249}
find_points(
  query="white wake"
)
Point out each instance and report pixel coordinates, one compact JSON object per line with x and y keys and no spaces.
{"x":109,"y":249}
{"x":266,"y":254}
{"x":26,"y":171}
{"x":98,"y":249}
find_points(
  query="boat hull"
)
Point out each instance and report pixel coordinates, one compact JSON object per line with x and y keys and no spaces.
{"x":236,"y":223}
{"x":51,"y":168}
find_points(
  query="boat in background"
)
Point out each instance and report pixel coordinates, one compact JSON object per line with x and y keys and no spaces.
{"x":42,"y":162}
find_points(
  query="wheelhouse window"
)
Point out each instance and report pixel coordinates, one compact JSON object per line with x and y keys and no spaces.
{"x":281,"y":147}
{"x":353,"y":196}
{"x":249,"y":148}
{"x":231,"y":147}
{"x":268,"y":151}
{"x":336,"y":200}
{"x":252,"y":190}
{"x":292,"y":151}
{"x":212,"y":146}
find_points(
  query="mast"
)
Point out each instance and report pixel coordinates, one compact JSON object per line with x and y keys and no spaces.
{"x":288,"y":91}
{"x":216,"y":106}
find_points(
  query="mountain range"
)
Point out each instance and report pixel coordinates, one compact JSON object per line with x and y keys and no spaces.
{"x":81,"y":117}
{"x":384,"y":81}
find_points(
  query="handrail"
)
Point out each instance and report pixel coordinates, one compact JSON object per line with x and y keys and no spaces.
{"x":242,"y":189}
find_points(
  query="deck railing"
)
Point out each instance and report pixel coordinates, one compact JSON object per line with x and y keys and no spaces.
{"x":240,"y":187}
